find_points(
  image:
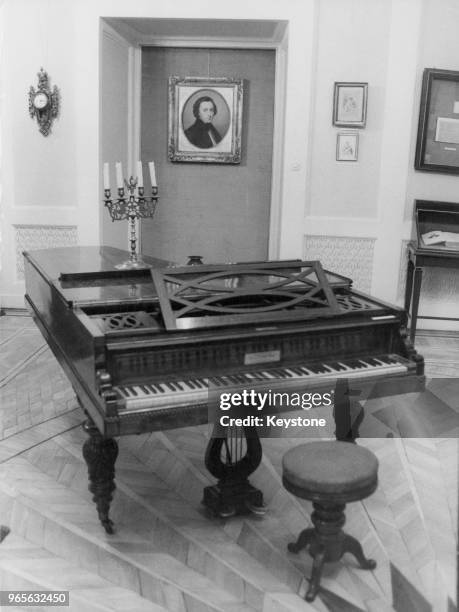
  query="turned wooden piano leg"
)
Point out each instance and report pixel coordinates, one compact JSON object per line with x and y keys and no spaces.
{"x":100,"y":455}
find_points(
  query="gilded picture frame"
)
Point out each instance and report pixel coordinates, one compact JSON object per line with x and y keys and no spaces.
{"x":205,"y":119}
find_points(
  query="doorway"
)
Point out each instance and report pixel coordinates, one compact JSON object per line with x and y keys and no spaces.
{"x":219,"y":211}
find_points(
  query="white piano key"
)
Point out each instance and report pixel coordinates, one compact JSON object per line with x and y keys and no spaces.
{"x":157,"y":395}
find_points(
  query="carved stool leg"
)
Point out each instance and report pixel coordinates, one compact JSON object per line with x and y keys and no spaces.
{"x":317,"y":566}
{"x":100,"y":455}
{"x":354,"y":547}
{"x":327,"y":542}
{"x":304,"y":539}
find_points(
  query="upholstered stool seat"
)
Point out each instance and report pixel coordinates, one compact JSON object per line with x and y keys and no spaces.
{"x":330,"y":474}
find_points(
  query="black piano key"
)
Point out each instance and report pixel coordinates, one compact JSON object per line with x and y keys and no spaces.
{"x":372,"y":361}
{"x":354,"y":364}
{"x":147,"y":388}
{"x":259,"y":376}
{"x":132,"y":391}
{"x":241,"y":379}
{"x":336,"y":366}
{"x":317,"y":369}
{"x":280,"y":373}
{"x":234,"y":379}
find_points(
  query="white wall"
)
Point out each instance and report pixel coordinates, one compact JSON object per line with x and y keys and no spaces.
{"x":115,"y":124}
{"x":39,"y":177}
{"x":63,"y":171}
{"x":438,"y":48}
{"x":353,"y":216}
{"x":354,"y":221}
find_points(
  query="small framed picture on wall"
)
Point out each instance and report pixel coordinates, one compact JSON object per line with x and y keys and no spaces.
{"x":350,"y":104}
{"x":205,"y":119}
{"x":347,"y":146}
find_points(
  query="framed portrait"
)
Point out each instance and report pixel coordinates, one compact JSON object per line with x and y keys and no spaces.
{"x":350,"y":104}
{"x":205,"y":119}
{"x":437,"y":146}
{"x":347,"y":146}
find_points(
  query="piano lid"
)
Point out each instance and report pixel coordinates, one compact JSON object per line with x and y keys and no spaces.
{"x":231,"y":294}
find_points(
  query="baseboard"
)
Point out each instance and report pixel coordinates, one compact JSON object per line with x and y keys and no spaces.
{"x":438,"y":333}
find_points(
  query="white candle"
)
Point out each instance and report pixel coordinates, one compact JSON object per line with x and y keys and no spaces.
{"x":151,"y":165}
{"x":139,"y":174}
{"x":119,"y":175}
{"x":106,"y":176}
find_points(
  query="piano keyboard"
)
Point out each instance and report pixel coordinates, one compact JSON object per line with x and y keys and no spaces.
{"x":159,"y":395}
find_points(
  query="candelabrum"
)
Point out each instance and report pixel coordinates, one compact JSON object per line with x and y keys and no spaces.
{"x":132,"y":205}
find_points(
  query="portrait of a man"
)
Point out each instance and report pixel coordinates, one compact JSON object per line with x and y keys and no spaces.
{"x":202,"y":133}
{"x":205,"y":118}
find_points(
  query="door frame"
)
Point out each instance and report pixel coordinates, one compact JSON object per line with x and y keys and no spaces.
{"x":280,"y":47}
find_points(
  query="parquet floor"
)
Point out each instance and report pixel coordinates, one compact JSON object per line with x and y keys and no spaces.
{"x":167,"y":554}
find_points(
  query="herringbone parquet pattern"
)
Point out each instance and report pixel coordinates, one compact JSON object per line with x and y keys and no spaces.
{"x":167,"y":554}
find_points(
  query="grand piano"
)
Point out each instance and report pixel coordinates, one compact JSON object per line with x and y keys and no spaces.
{"x":143,"y":347}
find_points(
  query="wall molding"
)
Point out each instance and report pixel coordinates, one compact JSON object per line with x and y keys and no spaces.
{"x":32,"y":236}
{"x":351,"y":256}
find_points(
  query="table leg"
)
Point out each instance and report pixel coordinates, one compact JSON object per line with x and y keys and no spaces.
{"x":409,"y":285}
{"x":416,"y":293}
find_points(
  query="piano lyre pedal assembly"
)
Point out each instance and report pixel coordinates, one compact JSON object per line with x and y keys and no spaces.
{"x":141,"y":348}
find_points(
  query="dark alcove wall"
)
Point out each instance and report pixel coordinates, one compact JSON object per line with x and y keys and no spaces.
{"x":219,"y":211}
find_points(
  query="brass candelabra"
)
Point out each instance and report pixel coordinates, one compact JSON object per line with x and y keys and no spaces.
{"x":131,"y":204}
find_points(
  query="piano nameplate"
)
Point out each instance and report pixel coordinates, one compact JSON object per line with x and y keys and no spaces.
{"x":261,"y":357}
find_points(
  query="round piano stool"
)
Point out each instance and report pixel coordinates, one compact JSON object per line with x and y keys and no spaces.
{"x":330,"y":474}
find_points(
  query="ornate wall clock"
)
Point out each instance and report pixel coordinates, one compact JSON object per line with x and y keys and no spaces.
{"x":43,"y":103}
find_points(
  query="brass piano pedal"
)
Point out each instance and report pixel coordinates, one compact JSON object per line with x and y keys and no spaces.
{"x":226,"y":512}
{"x":256,"y":509}
{"x":227,"y":499}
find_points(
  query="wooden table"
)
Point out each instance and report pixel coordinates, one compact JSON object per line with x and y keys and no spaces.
{"x":418,"y":259}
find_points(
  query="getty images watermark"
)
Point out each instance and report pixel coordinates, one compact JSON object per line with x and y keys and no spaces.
{"x":342,"y":408}
{"x":272,"y":413}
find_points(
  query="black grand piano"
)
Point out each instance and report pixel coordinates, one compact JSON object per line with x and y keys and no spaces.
{"x":142,"y":347}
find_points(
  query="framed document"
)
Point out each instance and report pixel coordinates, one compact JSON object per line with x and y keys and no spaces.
{"x":350,"y":104}
{"x":347,"y":146}
{"x":437,"y":146}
